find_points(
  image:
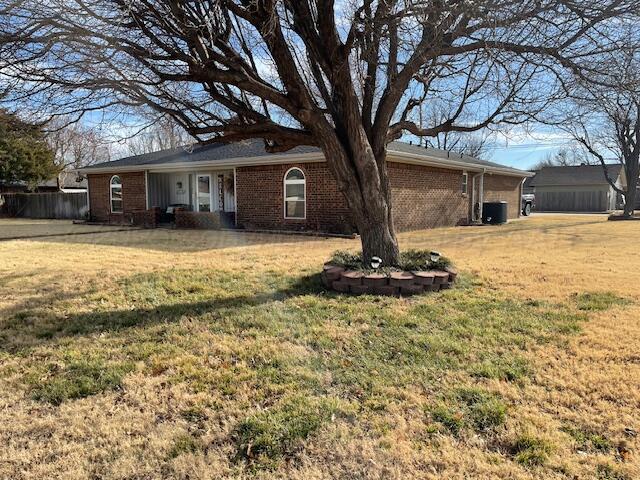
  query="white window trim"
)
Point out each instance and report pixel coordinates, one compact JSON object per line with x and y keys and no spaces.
{"x":111,"y":185}
{"x":198,"y":175}
{"x":302,"y":182}
{"x":465,"y":184}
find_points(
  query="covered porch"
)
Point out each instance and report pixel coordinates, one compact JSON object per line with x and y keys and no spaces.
{"x":193,"y":199}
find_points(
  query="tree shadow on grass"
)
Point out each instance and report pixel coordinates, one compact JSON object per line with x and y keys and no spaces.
{"x":31,"y":328}
{"x":7,"y":278}
{"x":177,"y":240}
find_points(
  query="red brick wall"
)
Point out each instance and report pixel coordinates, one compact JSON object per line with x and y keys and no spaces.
{"x":260,"y":199}
{"x":427,"y":197}
{"x":503,"y":188}
{"x":422,"y":197}
{"x":133,"y":197}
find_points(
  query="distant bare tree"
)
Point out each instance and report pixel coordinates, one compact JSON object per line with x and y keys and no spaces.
{"x":472,"y":144}
{"x":604,"y":118}
{"x":163,"y":134}
{"x":565,"y":157}
{"x":344,"y":76}
{"x":76,"y":145}
{"x":468,"y":143}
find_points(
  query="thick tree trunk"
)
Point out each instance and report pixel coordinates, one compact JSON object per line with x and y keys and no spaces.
{"x":632,"y":172}
{"x":630,"y":200}
{"x":375,"y":223}
{"x":379,"y":240}
{"x":362,"y":178}
{"x":371,"y":211}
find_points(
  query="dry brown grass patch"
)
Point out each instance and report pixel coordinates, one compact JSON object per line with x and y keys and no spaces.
{"x":216,"y":361}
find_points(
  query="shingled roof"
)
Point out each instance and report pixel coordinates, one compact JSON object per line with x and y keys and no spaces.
{"x":199,"y":153}
{"x":574,"y":175}
{"x":227,"y":154}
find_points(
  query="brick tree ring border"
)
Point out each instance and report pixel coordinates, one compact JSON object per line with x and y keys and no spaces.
{"x":341,"y":280}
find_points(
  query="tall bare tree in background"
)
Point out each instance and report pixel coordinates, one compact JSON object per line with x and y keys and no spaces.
{"x":76,"y":145}
{"x":345,"y":76}
{"x":565,"y":157}
{"x":603,"y":117}
{"x":162,"y":134}
{"x":472,"y":144}
{"x":610,"y":133}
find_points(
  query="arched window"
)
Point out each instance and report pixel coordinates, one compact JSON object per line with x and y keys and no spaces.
{"x":295,"y":194}
{"x":116,"y":194}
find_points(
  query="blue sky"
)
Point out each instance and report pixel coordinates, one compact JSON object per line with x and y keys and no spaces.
{"x":524,"y":148}
{"x":522,"y":156}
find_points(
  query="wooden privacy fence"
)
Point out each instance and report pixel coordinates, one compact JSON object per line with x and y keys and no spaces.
{"x":572,"y":201}
{"x":45,"y":205}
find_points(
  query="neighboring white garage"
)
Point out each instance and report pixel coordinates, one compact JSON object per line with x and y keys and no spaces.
{"x":582,"y":188}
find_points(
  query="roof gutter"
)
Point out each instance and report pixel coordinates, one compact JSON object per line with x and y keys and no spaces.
{"x":413,"y":159}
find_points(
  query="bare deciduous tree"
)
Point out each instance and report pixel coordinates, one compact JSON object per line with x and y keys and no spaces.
{"x":76,"y":145}
{"x":565,"y":157}
{"x":435,"y":113}
{"x":162,"y":134}
{"x":604,"y":119}
{"x":611,"y":135}
{"x":472,"y":144}
{"x":345,"y":76}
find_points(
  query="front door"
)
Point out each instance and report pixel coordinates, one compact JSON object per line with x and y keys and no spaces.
{"x":203,"y":193}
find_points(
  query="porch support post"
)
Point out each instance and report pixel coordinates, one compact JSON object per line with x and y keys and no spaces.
{"x":235,"y":197}
{"x":473,"y":198}
{"x":146,"y":189}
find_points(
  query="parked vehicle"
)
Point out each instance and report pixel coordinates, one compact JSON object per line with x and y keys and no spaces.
{"x":528,"y":202}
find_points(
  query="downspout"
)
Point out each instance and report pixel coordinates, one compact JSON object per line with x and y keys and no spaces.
{"x":521,"y":194}
{"x":478,"y":218}
{"x":481,"y":196}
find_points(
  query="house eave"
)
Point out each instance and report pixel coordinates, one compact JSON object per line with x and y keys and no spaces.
{"x":412,"y":159}
{"x":393,"y":156}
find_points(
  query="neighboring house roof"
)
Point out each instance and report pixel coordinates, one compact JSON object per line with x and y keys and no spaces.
{"x":252,"y":152}
{"x":574,"y":175}
{"x":68,"y":180}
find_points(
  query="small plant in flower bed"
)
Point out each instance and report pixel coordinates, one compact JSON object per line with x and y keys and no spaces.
{"x":410,"y":260}
{"x":418,"y":259}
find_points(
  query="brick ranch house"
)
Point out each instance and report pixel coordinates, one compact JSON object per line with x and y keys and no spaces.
{"x":240,"y":185}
